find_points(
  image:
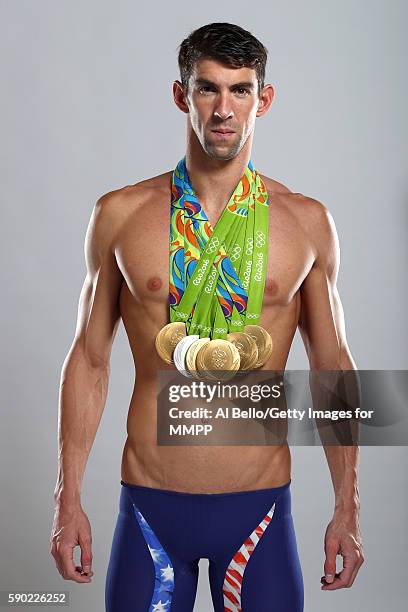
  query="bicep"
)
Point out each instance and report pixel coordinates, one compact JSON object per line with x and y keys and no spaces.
{"x":98,"y":308}
{"x":321,"y":321}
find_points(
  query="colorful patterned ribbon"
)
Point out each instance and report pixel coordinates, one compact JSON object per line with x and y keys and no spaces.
{"x":205,"y":288}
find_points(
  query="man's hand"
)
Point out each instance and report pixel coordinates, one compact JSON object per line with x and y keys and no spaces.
{"x":71,"y":528}
{"x":343,"y":538}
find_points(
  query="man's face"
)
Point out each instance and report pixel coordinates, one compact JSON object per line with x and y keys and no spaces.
{"x":222,"y":103}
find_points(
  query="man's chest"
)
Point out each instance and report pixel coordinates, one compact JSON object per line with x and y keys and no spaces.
{"x":143,"y":256}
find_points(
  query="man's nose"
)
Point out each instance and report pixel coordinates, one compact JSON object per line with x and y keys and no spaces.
{"x":223,"y":108}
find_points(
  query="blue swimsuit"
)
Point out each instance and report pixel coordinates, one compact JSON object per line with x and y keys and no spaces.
{"x":160,"y":536}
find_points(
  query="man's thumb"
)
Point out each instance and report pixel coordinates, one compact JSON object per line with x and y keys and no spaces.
{"x":330,"y":563}
{"x":86,"y":555}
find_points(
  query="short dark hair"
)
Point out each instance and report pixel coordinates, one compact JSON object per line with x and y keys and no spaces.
{"x":225,"y":42}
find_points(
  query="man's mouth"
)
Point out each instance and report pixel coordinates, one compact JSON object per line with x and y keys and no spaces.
{"x":223,"y":134}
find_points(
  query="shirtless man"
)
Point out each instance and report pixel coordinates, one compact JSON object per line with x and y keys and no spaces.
{"x":182,"y":503}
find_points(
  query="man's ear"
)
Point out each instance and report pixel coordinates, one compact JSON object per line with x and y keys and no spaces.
{"x":179,"y":96}
{"x":265,"y":99}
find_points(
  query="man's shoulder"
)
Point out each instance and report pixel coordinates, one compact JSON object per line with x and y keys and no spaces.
{"x":113,"y":209}
{"x":311,"y":216}
{"x":133,"y":196}
{"x":297,"y":203}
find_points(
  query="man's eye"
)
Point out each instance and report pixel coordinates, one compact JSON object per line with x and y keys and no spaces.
{"x":206,"y":88}
{"x":242,"y":90}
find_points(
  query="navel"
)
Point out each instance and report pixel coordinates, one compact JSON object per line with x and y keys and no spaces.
{"x":154,"y":283}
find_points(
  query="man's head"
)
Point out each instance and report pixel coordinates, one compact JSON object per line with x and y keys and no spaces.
{"x":222,"y":70}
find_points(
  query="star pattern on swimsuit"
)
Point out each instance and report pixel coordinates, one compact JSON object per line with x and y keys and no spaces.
{"x":161,"y":606}
{"x":163,"y":568}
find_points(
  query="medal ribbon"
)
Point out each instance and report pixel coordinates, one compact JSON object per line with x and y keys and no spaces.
{"x":204,"y":281}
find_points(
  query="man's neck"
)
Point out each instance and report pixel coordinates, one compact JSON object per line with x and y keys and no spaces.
{"x":214,"y":180}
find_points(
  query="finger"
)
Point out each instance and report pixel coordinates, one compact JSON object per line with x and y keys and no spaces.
{"x":79,"y":569}
{"x":58,"y":566}
{"x":343,"y":578}
{"x":333,"y":585}
{"x":66,"y":559}
{"x":56,"y":554}
{"x":360,"y":561}
{"x":85,"y":543}
{"x":55,"y":550}
{"x":325,"y":583}
{"x":331,"y":549}
{"x":350,"y":561}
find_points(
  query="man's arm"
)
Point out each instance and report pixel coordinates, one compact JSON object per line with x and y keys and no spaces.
{"x":83,"y":387}
{"x":322,"y":327}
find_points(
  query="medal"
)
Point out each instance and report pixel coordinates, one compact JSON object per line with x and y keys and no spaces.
{"x":247,"y":348}
{"x":180,"y":351}
{"x":191,"y":355}
{"x":263,"y":341}
{"x":217,"y":279}
{"x":218,"y":359}
{"x":167,"y":339}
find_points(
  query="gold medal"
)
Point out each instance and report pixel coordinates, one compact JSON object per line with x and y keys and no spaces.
{"x":217,"y":359}
{"x":247,"y":347}
{"x":167,"y":339}
{"x":263,"y":341}
{"x":191,"y":355}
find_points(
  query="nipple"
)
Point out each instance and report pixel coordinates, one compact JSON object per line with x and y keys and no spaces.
{"x":271,"y":286}
{"x":154,"y":283}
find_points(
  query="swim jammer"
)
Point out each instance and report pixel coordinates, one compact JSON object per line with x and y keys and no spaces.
{"x":247,"y":536}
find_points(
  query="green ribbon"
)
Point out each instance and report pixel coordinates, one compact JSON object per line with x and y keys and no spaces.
{"x":217,"y":277}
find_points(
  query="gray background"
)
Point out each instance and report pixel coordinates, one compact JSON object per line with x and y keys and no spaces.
{"x":87,"y":108}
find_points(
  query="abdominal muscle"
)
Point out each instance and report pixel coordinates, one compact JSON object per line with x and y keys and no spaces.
{"x":194,"y":469}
